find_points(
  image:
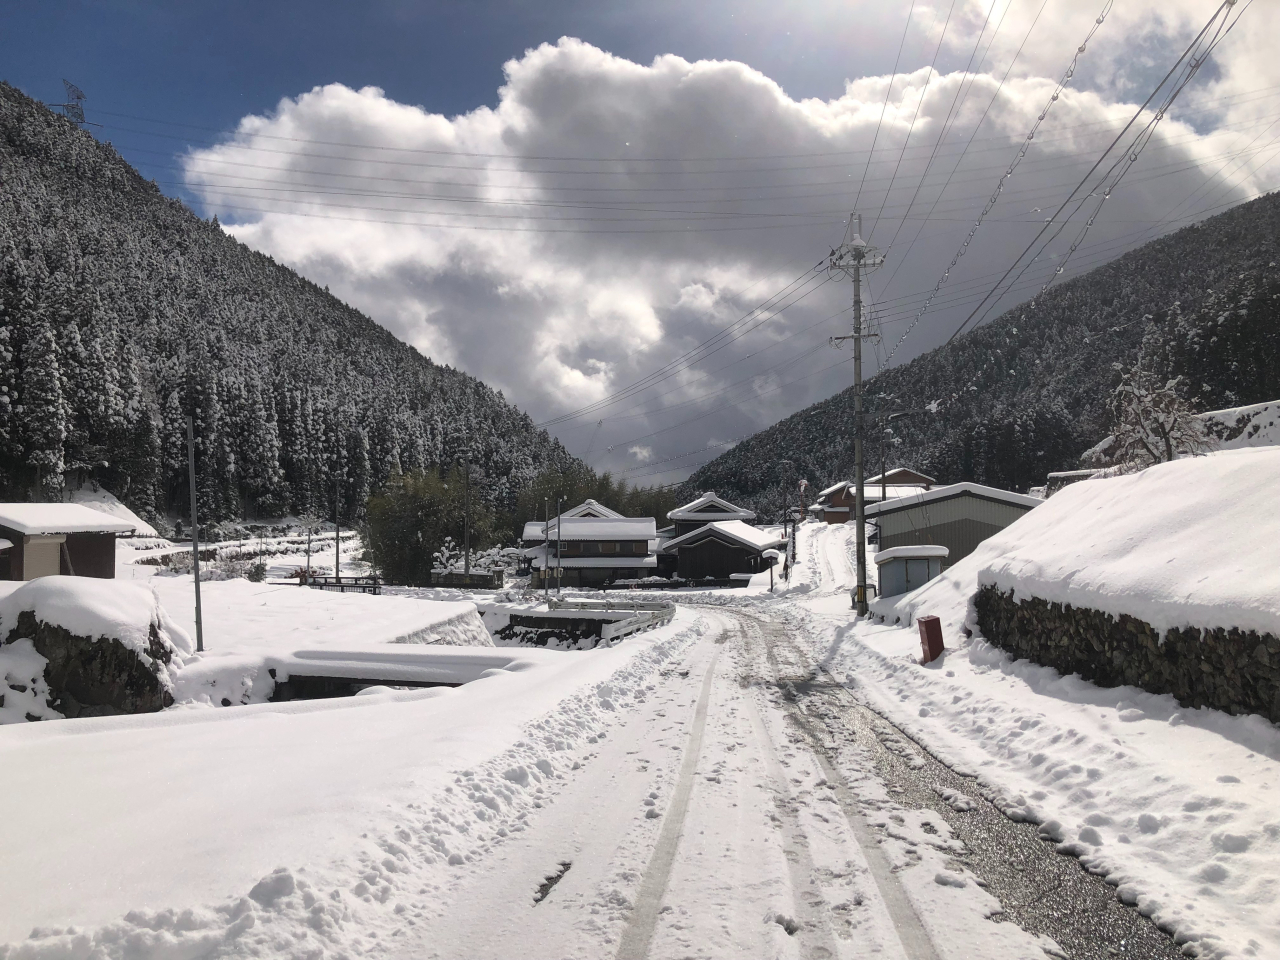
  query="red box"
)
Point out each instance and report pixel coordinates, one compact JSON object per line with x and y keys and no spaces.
{"x":930,"y":638}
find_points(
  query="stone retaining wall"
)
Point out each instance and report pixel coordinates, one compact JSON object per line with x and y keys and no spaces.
{"x":1230,"y":670}
{"x":95,"y":677}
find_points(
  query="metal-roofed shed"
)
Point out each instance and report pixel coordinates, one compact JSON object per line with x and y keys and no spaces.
{"x":47,"y":539}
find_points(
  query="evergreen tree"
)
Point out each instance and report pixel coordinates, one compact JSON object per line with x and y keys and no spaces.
{"x":43,"y":410}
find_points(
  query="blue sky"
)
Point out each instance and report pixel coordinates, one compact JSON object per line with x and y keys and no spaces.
{"x":208,"y":64}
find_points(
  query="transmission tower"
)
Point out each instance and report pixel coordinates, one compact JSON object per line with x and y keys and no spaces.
{"x":853,"y":258}
{"x":73,"y":109}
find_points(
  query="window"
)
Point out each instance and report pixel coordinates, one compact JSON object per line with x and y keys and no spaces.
{"x":609,"y":547}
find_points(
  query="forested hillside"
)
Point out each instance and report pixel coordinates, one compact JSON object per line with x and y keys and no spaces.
{"x":121,"y":312}
{"x":1027,"y":393}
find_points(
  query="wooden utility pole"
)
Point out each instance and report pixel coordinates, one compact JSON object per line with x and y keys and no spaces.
{"x":195,"y":530}
{"x":546,"y":548}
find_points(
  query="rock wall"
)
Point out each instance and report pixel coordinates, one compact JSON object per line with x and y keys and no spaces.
{"x":93,"y":677}
{"x":1227,"y":669}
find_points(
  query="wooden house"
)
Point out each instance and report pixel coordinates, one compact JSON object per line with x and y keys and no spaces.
{"x":48,"y":539}
{"x":591,"y":551}
{"x":720,"y":550}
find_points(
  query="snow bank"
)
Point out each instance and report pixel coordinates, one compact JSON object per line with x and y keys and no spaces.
{"x":1192,"y":543}
{"x":1257,"y":425}
{"x":1175,"y":806}
{"x":88,"y":607}
{"x":244,"y":617}
{"x":375,"y":805}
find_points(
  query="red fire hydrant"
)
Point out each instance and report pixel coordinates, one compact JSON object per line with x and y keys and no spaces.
{"x":930,"y":638}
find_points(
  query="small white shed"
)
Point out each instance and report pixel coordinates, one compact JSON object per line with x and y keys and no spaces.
{"x":902,"y":569}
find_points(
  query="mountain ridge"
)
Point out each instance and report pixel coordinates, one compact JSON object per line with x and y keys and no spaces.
{"x":121,"y":311}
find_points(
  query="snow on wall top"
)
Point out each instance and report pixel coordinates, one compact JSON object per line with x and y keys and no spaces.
{"x":55,"y":518}
{"x":1191,"y":543}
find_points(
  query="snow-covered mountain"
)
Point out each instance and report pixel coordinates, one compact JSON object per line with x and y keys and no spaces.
{"x":1027,"y":393}
{"x":121,"y":311}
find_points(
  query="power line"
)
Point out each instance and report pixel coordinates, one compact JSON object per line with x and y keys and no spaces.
{"x":1187,"y":56}
{"x":928,"y":77}
{"x":884,"y":106}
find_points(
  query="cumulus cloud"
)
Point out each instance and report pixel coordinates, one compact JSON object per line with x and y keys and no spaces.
{"x":606,"y":219}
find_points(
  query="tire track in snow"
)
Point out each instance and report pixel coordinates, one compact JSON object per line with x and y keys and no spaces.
{"x":636,"y":937}
{"x":913,"y":936}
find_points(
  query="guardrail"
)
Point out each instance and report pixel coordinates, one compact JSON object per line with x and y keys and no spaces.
{"x":636,"y":624}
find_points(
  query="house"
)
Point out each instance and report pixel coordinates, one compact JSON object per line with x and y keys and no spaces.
{"x":836,"y":503}
{"x":720,"y":549}
{"x":708,"y":508}
{"x":902,"y":569}
{"x":47,"y":539}
{"x":958,"y":516}
{"x":590,"y":551}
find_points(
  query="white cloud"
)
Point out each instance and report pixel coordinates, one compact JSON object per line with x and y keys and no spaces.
{"x":561,"y":281}
{"x":643,"y":454}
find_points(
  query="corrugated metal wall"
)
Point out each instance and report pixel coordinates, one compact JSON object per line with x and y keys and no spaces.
{"x":959,"y":524}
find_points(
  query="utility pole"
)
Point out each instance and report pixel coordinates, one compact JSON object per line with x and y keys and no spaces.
{"x":466,"y":518}
{"x":546,"y":548}
{"x":195,"y":530}
{"x":337,"y":531}
{"x":559,"y":572}
{"x":853,"y":258}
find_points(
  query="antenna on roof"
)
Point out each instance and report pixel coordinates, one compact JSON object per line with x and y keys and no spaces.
{"x":73,"y":109}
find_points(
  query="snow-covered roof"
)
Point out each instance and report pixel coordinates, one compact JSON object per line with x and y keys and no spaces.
{"x":948,"y":492}
{"x":919,"y":552}
{"x":833,"y":488}
{"x":710,"y":507}
{"x":905,"y":476}
{"x":588,"y":509}
{"x":871,"y":491}
{"x":55,"y":518}
{"x":592,"y":528}
{"x":735,"y":530}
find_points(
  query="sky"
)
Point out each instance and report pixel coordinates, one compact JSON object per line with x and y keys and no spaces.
{"x":617,"y":213}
